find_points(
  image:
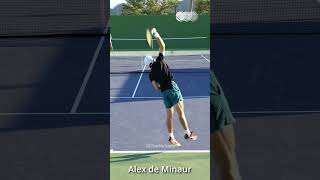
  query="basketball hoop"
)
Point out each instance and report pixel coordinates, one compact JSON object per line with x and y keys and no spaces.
{"x":187,"y":16}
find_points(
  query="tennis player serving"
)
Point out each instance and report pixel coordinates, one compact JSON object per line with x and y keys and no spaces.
{"x":162,"y":80}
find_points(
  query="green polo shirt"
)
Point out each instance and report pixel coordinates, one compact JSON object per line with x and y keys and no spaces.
{"x":220,"y":113}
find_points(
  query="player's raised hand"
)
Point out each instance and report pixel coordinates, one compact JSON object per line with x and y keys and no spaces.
{"x":153,"y":31}
{"x":159,"y":40}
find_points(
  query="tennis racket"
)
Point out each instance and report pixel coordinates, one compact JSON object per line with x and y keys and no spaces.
{"x":149,"y":38}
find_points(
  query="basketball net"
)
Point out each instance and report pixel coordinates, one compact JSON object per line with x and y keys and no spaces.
{"x":187,"y":16}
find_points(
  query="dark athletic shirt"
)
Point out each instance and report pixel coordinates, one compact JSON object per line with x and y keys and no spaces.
{"x":161,"y":73}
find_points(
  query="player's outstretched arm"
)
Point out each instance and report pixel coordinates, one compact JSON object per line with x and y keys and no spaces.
{"x":160,"y":41}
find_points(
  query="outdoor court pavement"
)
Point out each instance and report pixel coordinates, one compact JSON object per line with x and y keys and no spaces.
{"x":51,"y":77}
{"x":53,"y":109}
{"x":138,"y":117}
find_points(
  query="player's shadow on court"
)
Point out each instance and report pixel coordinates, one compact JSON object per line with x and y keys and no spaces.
{"x":132,"y":157}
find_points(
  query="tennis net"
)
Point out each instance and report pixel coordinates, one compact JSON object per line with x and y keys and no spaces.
{"x":191,"y":63}
{"x":53,"y":17}
{"x":272,"y":16}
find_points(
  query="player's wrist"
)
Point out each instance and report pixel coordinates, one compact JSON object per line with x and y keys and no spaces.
{"x":156,"y":35}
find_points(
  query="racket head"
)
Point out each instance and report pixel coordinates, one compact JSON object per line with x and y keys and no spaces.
{"x":149,"y":37}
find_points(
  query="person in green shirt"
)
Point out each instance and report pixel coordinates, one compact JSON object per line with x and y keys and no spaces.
{"x":222,"y":133}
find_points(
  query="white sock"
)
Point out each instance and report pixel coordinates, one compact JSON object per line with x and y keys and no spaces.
{"x":171,"y":135}
{"x":187,"y":131}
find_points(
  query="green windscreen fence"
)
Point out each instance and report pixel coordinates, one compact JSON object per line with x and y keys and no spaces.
{"x":128,"y":32}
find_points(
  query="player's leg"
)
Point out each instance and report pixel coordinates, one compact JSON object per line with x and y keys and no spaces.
{"x":182,"y":117}
{"x":223,"y":142}
{"x":172,"y":139}
{"x":170,"y":120}
{"x":169,"y":108}
{"x":183,"y":121}
{"x":222,"y":133}
{"x":177,"y":100}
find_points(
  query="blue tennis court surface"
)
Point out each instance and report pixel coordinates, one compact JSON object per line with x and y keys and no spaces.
{"x":53,"y":106}
{"x":138,"y":116}
{"x":52,"y":82}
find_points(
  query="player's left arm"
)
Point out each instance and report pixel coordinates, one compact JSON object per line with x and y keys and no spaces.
{"x":155,"y":85}
{"x":160,"y":41}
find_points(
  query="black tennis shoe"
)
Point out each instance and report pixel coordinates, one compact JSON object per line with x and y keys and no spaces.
{"x":192,"y":136}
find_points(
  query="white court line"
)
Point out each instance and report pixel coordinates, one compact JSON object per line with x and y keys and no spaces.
{"x":159,"y":151}
{"x":274,"y":112}
{"x":136,"y":88}
{"x":168,"y":55}
{"x":139,"y":39}
{"x":30,"y":114}
{"x":87,"y":77}
{"x":235,"y":112}
{"x":205,"y":58}
{"x":156,"y":97}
